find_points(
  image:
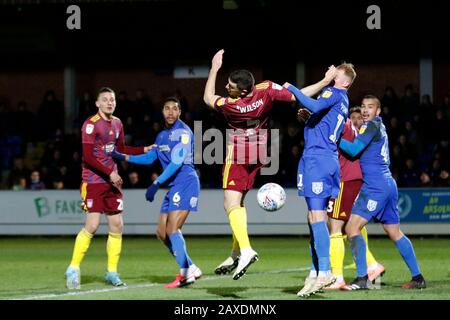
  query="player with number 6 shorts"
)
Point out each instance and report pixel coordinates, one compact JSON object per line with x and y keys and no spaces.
{"x":174,"y":148}
{"x":101,"y":187}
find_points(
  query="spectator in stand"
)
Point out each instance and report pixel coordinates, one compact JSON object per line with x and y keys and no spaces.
{"x":133,"y":181}
{"x":425,"y":180}
{"x":35,"y":181}
{"x":51,"y":115}
{"x":390,"y":100}
{"x":410,"y":176}
{"x":19,"y":184}
{"x":409,"y":103}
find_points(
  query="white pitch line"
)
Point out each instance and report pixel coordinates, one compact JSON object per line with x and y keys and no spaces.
{"x":139,"y":286}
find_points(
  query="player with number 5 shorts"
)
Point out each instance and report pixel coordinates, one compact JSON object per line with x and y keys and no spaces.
{"x":318,"y":170}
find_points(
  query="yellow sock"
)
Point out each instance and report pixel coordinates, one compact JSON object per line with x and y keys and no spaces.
{"x":337,"y":253}
{"x":370,"y":258}
{"x":113,"y":248}
{"x":238,"y":222}
{"x":235,"y":246}
{"x":82,"y":243}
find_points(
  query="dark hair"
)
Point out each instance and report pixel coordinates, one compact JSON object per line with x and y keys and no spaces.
{"x":356,"y":109}
{"x":243,"y":78}
{"x":173,"y":99}
{"x":371,"y":96}
{"x":103,"y":90}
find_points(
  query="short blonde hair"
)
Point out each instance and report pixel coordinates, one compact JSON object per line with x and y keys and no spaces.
{"x":349,"y":70}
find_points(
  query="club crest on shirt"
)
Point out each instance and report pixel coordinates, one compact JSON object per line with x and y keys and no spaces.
{"x":193,"y":202}
{"x":371,"y":205}
{"x":317,"y":187}
{"x":362,"y":129}
{"x":89,"y":128}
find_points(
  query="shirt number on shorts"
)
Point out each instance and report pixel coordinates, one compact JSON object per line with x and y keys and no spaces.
{"x":120,"y":206}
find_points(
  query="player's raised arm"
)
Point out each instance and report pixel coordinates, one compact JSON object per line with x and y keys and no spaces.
{"x":144,"y":159}
{"x":209,"y":95}
{"x":315,"y":88}
{"x":361,"y":142}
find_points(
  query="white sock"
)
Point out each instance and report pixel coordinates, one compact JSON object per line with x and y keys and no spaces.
{"x":246,"y":251}
{"x":324,"y":273}
{"x":312,"y":274}
{"x":339,"y":278}
{"x":184,"y":271}
{"x":372,"y":266}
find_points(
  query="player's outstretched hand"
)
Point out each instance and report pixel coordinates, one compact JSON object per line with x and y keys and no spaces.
{"x":217,"y":60}
{"x":148,"y":148}
{"x":118,"y":155}
{"x":330,"y":74}
{"x":303,"y":114}
{"x":151,"y":191}
{"x":286,"y":85}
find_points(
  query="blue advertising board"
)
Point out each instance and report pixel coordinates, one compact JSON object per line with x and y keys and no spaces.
{"x":424,"y":205}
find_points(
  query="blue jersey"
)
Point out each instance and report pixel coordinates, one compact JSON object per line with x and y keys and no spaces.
{"x":175,"y":152}
{"x":171,"y":140}
{"x":374,"y":161}
{"x":324,"y":127}
{"x":379,"y":195}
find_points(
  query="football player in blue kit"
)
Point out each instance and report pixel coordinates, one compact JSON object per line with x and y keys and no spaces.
{"x":378,"y":197}
{"x":319,"y":171}
{"x":174,"y":148}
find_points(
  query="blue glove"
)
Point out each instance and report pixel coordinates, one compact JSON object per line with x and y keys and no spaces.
{"x":118,"y":155}
{"x":151,"y":191}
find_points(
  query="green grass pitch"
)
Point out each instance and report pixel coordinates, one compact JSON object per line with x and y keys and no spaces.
{"x":33,"y":268}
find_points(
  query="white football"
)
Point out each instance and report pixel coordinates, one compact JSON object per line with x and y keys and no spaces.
{"x":271,"y":197}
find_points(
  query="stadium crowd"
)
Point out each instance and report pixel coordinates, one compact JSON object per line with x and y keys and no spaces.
{"x":37,"y":152}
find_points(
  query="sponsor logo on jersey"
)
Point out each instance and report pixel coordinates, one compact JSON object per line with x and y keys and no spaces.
{"x":248,"y":108}
{"x":108,"y":148}
{"x":164,"y":148}
{"x":89,"y":128}
{"x":317,"y":187}
{"x":371,"y":205}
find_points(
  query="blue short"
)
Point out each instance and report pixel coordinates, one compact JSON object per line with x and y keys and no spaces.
{"x":378,"y":201}
{"x":182,"y":196}
{"x":318,"y":176}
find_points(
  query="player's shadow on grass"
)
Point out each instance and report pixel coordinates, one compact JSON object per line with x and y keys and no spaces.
{"x":153,"y":279}
{"x":227,"y":292}
{"x":92,"y":279}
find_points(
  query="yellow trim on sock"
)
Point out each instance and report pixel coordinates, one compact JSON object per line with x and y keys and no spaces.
{"x":113,"y":249}
{"x":238,"y":223}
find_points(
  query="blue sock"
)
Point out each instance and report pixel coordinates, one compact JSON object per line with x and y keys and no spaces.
{"x":168,"y":244}
{"x":358,"y":246}
{"x":406,"y":249}
{"x":179,"y":249}
{"x":190,"y":263}
{"x":322,"y":244}
{"x":312,"y":251}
